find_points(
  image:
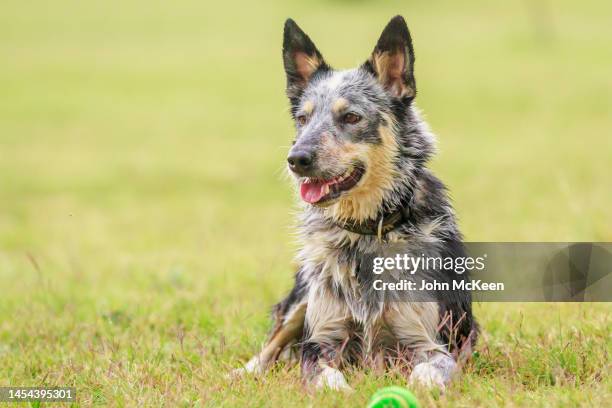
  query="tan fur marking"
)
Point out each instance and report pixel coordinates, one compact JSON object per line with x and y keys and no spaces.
{"x":381,"y":63}
{"x":308,"y":107}
{"x":390,"y":69}
{"x":339,"y":105}
{"x":283,"y":335}
{"x":365,"y":199}
{"x":306,"y":64}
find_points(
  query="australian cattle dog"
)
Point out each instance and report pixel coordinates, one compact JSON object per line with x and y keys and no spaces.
{"x":359,"y":162}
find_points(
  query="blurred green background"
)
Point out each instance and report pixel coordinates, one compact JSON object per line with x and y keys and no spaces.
{"x":142,"y":148}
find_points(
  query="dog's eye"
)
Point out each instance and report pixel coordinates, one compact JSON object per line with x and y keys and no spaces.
{"x":351,"y":118}
{"x":301,"y":120}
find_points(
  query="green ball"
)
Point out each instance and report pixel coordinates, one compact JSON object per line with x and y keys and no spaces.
{"x":393,"y":397}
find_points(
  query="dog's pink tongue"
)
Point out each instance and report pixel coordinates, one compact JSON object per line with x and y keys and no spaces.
{"x":312,"y":192}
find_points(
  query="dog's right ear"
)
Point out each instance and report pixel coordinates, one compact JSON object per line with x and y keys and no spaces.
{"x":301,"y":59}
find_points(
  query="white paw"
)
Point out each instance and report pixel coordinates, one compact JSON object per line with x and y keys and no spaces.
{"x":333,"y":379}
{"x":253,"y":366}
{"x":235,"y":373}
{"x":428,"y":375}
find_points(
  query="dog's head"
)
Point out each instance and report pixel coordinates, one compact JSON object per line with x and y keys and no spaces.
{"x":346,"y":152}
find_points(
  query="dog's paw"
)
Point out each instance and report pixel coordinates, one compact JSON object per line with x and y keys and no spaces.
{"x":428,"y":375}
{"x":253,"y":366}
{"x":236,"y":373}
{"x":333,"y":379}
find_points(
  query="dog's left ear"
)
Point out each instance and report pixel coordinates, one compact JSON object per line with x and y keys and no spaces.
{"x":301,"y":59}
{"x":392,"y":60}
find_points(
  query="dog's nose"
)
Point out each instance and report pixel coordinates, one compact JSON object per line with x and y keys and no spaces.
{"x":300,"y":161}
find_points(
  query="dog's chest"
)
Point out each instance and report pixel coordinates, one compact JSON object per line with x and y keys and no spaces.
{"x":344,"y":271}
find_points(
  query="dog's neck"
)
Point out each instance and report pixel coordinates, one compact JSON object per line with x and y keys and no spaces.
{"x":389,"y":218}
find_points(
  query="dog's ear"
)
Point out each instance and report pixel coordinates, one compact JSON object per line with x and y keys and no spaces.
{"x":392,"y":60}
{"x":301,"y":59}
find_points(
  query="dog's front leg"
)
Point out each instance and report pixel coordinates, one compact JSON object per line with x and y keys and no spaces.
{"x":288,"y":316}
{"x":415,"y":326}
{"x":319,"y":364}
{"x":287,"y":330}
{"x":325,"y":332}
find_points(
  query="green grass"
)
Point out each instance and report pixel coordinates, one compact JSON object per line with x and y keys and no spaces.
{"x":145,"y":221}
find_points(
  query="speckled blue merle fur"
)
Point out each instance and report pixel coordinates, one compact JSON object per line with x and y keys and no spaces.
{"x":359,"y":155}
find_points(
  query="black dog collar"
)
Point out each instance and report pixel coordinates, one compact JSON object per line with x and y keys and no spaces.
{"x":383,"y":224}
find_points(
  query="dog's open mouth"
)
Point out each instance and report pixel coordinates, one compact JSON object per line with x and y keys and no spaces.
{"x":316,"y":191}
